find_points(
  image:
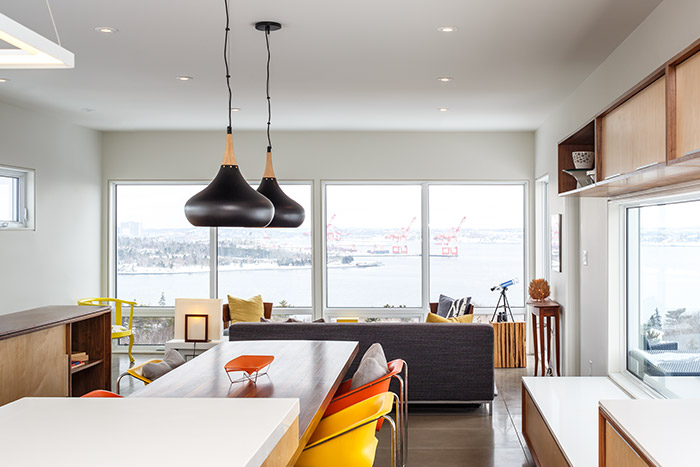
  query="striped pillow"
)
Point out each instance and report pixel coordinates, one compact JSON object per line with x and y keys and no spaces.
{"x":450,"y":308}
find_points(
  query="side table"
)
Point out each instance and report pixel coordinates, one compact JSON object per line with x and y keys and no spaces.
{"x":542,"y":313}
{"x":509,"y":345}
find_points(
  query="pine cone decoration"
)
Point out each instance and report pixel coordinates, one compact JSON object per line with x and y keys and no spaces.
{"x":539,"y":289}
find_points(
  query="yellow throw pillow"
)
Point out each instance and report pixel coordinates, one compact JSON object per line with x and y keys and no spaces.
{"x":433,"y":318}
{"x":250,"y":310}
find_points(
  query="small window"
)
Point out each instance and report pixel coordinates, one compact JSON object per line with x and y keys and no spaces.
{"x":16,"y":198}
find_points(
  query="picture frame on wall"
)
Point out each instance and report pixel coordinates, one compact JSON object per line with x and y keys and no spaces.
{"x":555,"y":235}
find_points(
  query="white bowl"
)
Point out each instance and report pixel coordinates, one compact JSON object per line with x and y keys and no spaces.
{"x":583,"y":159}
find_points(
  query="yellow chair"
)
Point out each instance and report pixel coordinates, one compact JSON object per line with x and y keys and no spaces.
{"x":137,"y":372}
{"x":347,"y":438}
{"x":118,"y":329}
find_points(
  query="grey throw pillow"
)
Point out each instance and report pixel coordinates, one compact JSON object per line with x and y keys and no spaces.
{"x":155,"y":370}
{"x":376,"y":351}
{"x":173,"y":358}
{"x":448,"y":307}
{"x":368,"y":371}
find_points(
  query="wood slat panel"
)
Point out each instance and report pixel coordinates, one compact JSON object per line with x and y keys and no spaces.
{"x":543,"y":447}
{"x":34,"y":364}
{"x":634,"y":134}
{"x":509,"y":345}
{"x":687,"y":107}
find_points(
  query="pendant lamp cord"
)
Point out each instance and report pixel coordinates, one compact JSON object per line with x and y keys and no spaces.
{"x":228,"y":73}
{"x":269,"y":108}
{"x":55,"y":29}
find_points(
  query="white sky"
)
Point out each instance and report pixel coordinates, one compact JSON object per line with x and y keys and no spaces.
{"x":355,"y":206}
{"x":6,"y":199}
{"x":163,"y":206}
{"x":393,"y":206}
{"x":671,"y":216}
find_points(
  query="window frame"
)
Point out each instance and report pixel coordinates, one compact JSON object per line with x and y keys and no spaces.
{"x":416,"y":312}
{"x":25,"y":203}
{"x":169,"y":311}
{"x":619,"y":207}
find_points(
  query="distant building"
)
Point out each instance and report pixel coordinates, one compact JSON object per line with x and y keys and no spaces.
{"x":129,"y":229}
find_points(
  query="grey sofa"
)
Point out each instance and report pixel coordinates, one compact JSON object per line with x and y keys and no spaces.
{"x":446,"y":362}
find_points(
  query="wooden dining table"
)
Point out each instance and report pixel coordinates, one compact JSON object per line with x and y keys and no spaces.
{"x":310,"y":371}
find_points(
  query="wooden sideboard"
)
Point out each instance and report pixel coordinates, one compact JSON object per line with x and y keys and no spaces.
{"x":35,"y":348}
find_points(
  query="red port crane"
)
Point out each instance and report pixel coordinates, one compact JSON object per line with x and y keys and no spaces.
{"x":449,"y":240}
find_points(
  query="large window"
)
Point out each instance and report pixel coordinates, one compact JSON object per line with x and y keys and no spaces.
{"x":373,"y":246}
{"x":160,"y":255}
{"x":477,"y":241}
{"x":16,"y":195}
{"x":663,"y":306}
{"x":273,"y":262}
{"x":377,"y":257}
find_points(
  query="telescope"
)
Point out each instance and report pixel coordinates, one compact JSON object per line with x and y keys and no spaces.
{"x":505,"y":285}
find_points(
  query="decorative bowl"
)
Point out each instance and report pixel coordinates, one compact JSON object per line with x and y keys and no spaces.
{"x":583,"y":159}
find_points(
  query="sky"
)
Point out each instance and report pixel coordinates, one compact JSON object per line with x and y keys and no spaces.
{"x":671,"y":216}
{"x":6,"y":199}
{"x":354,"y":206}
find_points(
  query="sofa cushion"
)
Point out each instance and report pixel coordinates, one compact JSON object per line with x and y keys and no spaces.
{"x":173,"y":358}
{"x":368,"y":371}
{"x":433,"y":318}
{"x":250,"y":310}
{"x":448,"y":307}
{"x":376,"y":352}
{"x":155,"y":370}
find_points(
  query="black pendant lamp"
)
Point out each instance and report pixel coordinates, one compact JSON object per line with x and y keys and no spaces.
{"x":229,"y":201}
{"x":288,"y":213}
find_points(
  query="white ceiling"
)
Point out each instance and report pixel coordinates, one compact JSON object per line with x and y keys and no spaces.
{"x":352,"y":65}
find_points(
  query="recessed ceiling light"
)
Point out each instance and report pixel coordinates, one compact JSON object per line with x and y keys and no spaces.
{"x":447,"y":29}
{"x":106,"y":30}
{"x":445,"y":79}
{"x":235,"y":109}
{"x":4,"y":80}
{"x":443,"y":109}
{"x":184,"y":78}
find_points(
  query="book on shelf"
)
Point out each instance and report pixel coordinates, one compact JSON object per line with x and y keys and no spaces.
{"x":77,"y":364}
{"x":79,"y":357}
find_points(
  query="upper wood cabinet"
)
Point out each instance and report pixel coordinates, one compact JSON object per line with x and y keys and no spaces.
{"x":687,"y":107}
{"x":633,"y":135}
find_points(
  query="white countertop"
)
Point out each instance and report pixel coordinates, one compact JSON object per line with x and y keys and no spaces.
{"x":569,"y":406}
{"x":666,"y":430}
{"x":142,"y":431}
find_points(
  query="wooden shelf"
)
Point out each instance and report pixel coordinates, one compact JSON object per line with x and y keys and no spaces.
{"x":89,"y":364}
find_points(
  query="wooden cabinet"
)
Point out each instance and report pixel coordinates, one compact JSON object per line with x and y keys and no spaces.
{"x":35,"y":348}
{"x":633,"y":135}
{"x":687,"y":107}
{"x":616,"y":449}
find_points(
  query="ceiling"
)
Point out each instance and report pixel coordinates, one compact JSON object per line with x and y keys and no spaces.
{"x":357,"y":65}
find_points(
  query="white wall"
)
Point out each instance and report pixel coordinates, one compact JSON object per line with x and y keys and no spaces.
{"x":582,"y":290}
{"x":318,"y":156}
{"x":59,"y":262}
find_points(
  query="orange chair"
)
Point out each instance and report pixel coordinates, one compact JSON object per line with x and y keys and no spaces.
{"x":345,"y":397}
{"x":101,"y":393}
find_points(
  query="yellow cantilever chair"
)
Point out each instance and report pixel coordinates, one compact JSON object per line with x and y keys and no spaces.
{"x":136,"y":372}
{"x":347,"y":438}
{"x":118,"y":329}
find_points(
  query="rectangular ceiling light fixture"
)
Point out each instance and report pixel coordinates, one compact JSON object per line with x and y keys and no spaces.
{"x":33,"y":50}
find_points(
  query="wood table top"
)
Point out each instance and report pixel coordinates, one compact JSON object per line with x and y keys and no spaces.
{"x":310,"y":371}
{"x":36,"y":319}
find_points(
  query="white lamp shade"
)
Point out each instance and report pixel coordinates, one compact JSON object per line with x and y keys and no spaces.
{"x":199,"y":306}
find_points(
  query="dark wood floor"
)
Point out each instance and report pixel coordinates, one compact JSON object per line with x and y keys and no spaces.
{"x":441,"y":436}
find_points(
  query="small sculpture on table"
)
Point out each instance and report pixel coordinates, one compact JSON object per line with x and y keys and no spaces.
{"x":250,"y":365}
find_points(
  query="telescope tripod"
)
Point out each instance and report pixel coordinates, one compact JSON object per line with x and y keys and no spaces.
{"x":503,"y":302}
